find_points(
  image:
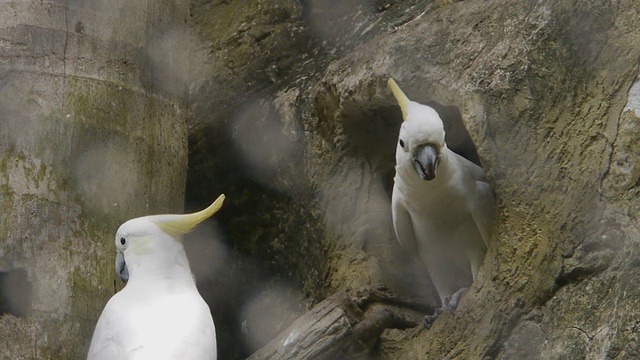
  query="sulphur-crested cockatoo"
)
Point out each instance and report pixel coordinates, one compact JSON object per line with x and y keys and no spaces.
{"x":442,"y":205}
{"x":159,"y":314}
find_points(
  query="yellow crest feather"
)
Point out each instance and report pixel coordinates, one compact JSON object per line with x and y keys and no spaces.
{"x":402,"y":99}
{"x":179,"y":225}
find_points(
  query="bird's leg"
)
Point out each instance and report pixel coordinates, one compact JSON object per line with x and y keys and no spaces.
{"x":451,"y":302}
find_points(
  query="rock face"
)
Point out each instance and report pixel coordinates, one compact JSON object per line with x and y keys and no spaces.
{"x":546,"y":92}
{"x":290,"y":116}
{"x":92,"y":133}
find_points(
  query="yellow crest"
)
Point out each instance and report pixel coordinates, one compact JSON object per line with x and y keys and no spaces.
{"x":402,"y":99}
{"x":178,"y":225}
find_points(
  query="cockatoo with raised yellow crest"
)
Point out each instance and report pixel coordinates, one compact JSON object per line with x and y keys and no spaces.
{"x":442,"y":204}
{"x":159,"y":314}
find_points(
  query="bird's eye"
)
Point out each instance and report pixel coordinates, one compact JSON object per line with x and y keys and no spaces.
{"x":402,"y":143}
{"x":123,"y":241}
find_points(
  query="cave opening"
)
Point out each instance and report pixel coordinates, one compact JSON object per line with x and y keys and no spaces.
{"x":372,"y":133}
{"x":15,"y":293}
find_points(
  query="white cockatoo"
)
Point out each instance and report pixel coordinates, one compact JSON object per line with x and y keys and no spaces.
{"x":442,"y":205}
{"x":159,"y":314}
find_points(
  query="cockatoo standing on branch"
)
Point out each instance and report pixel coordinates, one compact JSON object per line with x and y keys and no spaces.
{"x":442,"y":205}
{"x":159,"y":314}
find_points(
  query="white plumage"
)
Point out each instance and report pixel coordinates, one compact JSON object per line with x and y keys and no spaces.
{"x":442,"y":205}
{"x":159,"y":314}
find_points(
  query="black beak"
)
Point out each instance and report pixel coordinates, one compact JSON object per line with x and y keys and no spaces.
{"x":426,"y":161}
{"x":121,"y":267}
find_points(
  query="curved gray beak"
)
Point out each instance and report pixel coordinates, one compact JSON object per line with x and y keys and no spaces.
{"x":121,"y":267}
{"x":426,"y":161}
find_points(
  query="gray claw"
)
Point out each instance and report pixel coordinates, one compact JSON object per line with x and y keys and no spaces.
{"x":429,"y":319}
{"x":451,"y":302}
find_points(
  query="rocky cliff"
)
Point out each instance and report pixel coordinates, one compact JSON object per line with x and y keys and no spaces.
{"x":291,"y":118}
{"x":288,"y":114}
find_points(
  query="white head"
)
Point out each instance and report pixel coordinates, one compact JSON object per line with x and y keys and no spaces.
{"x":156,"y":239}
{"x":421,"y":139}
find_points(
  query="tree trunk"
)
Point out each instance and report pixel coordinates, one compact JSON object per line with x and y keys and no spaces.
{"x":545,"y":91}
{"x":343,"y":326}
{"x":92,"y":133}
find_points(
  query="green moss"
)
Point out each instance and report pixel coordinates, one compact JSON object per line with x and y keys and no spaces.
{"x":86,"y":104}
{"x":223,"y":23}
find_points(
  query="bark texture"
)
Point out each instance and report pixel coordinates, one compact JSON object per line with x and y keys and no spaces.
{"x":546,"y":92}
{"x":92,"y":133}
{"x":290,"y":117}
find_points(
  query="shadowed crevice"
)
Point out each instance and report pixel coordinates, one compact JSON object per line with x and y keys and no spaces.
{"x":15,"y":293}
